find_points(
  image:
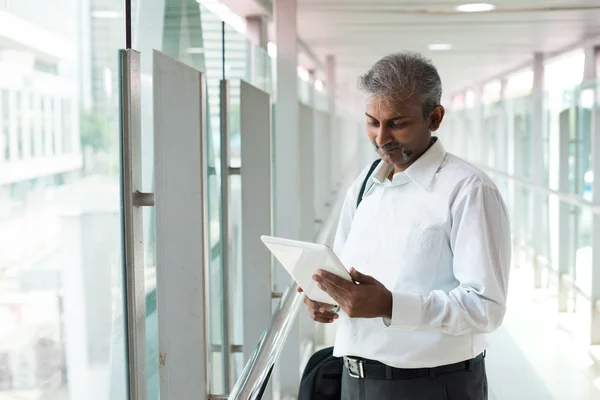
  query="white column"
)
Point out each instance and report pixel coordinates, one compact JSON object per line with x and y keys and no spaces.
{"x":502,"y":155}
{"x":287,"y":169}
{"x":537,"y":159}
{"x":312,"y":77}
{"x":307,"y":181}
{"x":332,"y":156}
{"x":480,"y":141}
{"x":565,"y":250}
{"x":257,"y":30}
{"x":592,"y":60}
{"x":590,"y":73}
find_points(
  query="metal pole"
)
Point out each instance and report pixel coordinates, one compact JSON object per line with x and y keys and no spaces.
{"x":132,"y":222}
{"x":128,"y":25}
{"x":226,"y":235}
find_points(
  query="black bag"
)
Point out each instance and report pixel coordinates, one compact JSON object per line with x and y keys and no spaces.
{"x":322,"y":377}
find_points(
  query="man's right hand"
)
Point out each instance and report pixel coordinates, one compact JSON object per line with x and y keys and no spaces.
{"x":320,"y":312}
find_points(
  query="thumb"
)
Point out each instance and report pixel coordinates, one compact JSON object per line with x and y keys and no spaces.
{"x":359,"y":277}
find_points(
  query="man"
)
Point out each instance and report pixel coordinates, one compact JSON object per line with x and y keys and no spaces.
{"x":431,"y":240}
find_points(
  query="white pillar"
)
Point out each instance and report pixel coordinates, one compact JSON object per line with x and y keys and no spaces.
{"x":537,"y":159}
{"x":565,"y":248}
{"x":332,"y":156}
{"x":502,"y":158}
{"x":287,"y":169}
{"x":312,"y":78}
{"x":257,"y":30}
{"x":592,"y":60}
{"x":480,"y":141}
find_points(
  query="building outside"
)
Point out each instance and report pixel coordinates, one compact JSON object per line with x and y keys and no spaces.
{"x":60,"y":278}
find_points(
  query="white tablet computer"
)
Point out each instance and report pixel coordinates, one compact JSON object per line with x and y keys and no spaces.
{"x":302,"y":260}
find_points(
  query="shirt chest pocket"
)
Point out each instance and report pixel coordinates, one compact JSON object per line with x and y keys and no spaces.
{"x":421,"y":258}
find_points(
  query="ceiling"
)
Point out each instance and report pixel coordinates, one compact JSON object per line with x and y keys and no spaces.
{"x":484,"y":45}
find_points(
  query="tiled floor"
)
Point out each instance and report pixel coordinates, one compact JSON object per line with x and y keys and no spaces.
{"x":534,"y":356}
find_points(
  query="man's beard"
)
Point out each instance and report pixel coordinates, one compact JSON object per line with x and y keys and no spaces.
{"x":403,"y":155}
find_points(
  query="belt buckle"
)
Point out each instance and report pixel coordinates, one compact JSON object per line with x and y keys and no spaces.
{"x":355,"y":368}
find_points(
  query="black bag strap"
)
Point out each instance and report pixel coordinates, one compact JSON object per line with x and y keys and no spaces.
{"x":364,"y":184}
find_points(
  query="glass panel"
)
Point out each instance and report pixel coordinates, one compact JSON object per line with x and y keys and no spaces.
{"x":62,"y":318}
{"x":583,"y":250}
{"x":192,"y":35}
{"x":243,"y":60}
{"x":212,"y":35}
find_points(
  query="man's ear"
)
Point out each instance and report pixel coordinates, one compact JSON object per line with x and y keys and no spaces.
{"x":436,"y":117}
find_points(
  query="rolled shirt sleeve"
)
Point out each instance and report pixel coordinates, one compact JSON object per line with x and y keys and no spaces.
{"x":480,"y":241}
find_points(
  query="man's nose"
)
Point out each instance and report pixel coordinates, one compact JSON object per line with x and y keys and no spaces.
{"x":383,"y":136}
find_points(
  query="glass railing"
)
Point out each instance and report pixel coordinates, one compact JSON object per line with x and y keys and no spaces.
{"x":253,"y":380}
{"x":62,"y":313}
{"x":560,"y":244}
{"x":211,"y":46}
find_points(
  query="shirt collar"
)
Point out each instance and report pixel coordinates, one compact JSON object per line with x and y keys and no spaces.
{"x":421,"y":171}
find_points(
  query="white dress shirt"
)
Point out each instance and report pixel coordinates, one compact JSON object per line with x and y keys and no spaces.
{"x":438,"y":237}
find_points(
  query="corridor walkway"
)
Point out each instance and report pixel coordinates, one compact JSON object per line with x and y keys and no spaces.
{"x":534,"y":356}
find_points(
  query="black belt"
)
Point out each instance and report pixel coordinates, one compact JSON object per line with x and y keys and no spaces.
{"x":367,"y":369}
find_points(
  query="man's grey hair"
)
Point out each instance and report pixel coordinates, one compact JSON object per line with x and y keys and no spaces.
{"x":400,"y":76}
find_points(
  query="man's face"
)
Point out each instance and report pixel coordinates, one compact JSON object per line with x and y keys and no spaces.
{"x":399,"y":130}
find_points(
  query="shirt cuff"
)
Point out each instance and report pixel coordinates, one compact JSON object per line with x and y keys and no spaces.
{"x":406,"y":311}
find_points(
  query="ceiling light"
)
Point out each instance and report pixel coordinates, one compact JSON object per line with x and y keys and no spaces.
{"x":225,"y":14}
{"x":439,"y":46}
{"x":319,"y":85}
{"x":272,"y":50}
{"x":303,"y":73}
{"x":475,"y":7}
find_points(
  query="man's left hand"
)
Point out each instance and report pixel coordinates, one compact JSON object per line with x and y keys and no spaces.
{"x":366,"y":297}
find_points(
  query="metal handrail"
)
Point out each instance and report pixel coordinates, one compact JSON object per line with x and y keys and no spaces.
{"x":257,"y":371}
{"x":568,"y":198}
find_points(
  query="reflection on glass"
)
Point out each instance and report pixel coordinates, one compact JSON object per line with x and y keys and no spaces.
{"x":197,"y":43}
{"x":581,"y":233}
{"x":61,"y":269}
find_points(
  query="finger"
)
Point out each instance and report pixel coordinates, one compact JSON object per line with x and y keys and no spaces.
{"x":315,"y":305}
{"x":323,"y":320}
{"x":335,"y":292}
{"x":330,"y":280}
{"x":326,"y":314}
{"x":299,"y":289}
{"x":325,"y":306}
{"x":360,"y":277}
{"x":322,"y":275}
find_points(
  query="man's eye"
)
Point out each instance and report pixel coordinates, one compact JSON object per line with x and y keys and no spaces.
{"x":399,"y":126}
{"x":373,"y":124}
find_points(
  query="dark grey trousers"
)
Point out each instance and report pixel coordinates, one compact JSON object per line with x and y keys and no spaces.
{"x":458,"y":385}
